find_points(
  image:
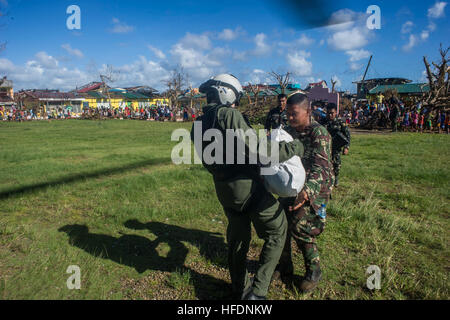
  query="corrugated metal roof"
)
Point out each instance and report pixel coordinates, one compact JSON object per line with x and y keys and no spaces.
{"x":96,"y":94}
{"x":133,"y":95}
{"x":90,"y":86}
{"x":51,"y":94}
{"x":402,"y":88}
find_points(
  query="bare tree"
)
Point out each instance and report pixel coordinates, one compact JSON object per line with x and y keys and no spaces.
{"x":255,"y":90}
{"x":177,"y":80}
{"x":438,"y":97}
{"x":282,"y":79}
{"x":108,"y":77}
{"x":333,"y":84}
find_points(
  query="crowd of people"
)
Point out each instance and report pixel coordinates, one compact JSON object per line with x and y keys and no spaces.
{"x":392,"y":114}
{"x":160,"y":113}
{"x":396,"y":115}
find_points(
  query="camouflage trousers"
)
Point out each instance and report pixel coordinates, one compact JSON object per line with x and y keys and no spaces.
{"x":304,"y":226}
{"x":394,"y":124}
{"x":336,"y":160}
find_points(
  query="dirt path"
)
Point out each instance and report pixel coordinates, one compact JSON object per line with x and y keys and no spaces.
{"x":366,"y":131}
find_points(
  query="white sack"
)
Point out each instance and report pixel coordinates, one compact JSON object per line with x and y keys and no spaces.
{"x":289,"y":176}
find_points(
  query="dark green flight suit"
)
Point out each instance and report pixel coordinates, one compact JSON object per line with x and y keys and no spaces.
{"x":246,"y":201}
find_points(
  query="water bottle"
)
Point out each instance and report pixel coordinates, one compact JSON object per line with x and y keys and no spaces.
{"x":322,"y":211}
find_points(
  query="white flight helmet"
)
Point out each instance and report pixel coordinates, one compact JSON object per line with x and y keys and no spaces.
{"x":223,"y":88}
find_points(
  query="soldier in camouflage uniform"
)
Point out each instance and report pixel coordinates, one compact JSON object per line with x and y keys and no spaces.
{"x":277,"y":116}
{"x":242,"y":194}
{"x":393,"y":116}
{"x":340,"y":135}
{"x":304,"y":224}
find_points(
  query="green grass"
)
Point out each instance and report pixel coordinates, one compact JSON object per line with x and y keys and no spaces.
{"x":104,"y":195}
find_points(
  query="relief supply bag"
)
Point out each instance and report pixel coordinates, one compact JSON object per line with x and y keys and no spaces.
{"x":288,"y":177}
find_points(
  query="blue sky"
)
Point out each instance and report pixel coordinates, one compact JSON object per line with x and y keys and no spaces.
{"x":145,"y":40}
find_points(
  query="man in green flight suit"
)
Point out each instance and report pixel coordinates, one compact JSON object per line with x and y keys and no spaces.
{"x":304,"y":222}
{"x":340,"y":135}
{"x":241,"y":192}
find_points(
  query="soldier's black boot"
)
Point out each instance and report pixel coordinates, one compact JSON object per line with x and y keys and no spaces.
{"x":311,"y":279}
{"x":336,"y":182}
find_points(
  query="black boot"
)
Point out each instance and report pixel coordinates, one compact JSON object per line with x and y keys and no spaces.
{"x":311,"y":279}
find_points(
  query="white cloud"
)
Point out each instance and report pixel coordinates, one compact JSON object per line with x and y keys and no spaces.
{"x":411,"y":43}
{"x":298,"y":63}
{"x":342,"y":20}
{"x":431,"y":26}
{"x":262,"y":47}
{"x":240,"y":55}
{"x":141,"y":71}
{"x":46,"y":72}
{"x":229,"y":34}
{"x":338,"y":81}
{"x":197,"y":64}
{"x":71,"y":51}
{"x":356,"y":55}
{"x":407,"y":27}
{"x":121,"y":27}
{"x":348,"y":30}
{"x":6,"y":66}
{"x":158,"y":53}
{"x":434,"y":12}
{"x":423,"y":77}
{"x":45,"y":60}
{"x":301,"y":42}
{"x":196,"y":41}
{"x":304,"y":40}
{"x":348,"y":39}
{"x":437,"y":11}
{"x":424,"y":35}
{"x":355,"y":66}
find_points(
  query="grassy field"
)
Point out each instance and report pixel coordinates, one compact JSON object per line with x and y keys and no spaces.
{"x":105,"y":196}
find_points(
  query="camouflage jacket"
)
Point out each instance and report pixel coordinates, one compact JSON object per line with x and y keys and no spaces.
{"x":275,"y":118}
{"x":317,"y":162}
{"x":335,"y":127}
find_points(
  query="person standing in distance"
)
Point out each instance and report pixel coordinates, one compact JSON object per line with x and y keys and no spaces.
{"x":304,"y":222}
{"x":340,"y":135}
{"x":277,"y":116}
{"x":241,"y":192}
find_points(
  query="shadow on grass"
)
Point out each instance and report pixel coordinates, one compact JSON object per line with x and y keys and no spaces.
{"x":80,"y":176}
{"x":141,"y":253}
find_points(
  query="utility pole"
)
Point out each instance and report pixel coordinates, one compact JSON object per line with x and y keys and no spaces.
{"x":364,"y":77}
